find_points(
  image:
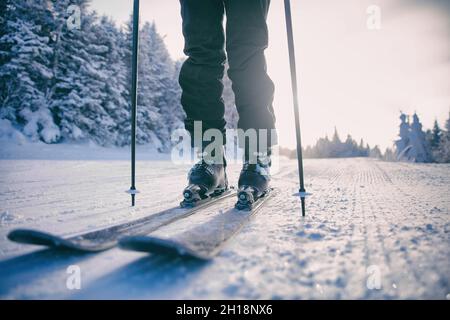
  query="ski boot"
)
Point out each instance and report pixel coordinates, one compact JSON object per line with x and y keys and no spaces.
{"x":254,"y":182}
{"x":206,"y":179}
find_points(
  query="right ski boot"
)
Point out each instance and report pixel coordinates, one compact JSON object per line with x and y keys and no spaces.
{"x":206,"y":179}
{"x":254,"y":182}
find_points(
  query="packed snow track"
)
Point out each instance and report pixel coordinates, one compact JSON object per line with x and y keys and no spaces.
{"x":373,"y":230}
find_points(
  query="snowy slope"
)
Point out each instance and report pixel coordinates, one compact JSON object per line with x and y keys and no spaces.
{"x":365,"y":215}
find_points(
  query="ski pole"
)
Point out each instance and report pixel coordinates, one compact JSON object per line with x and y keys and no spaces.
{"x":302,"y":192}
{"x":134,"y":88}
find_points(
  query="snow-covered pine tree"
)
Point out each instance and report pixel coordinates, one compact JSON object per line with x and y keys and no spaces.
{"x":159,"y":109}
{"x":231,"y":115}
{"x":349,"y":148}
{"x":443,"y":153}
{"x":336,"y":139}
{"x":323,"y":147}
{"x":4,"y":18}
{"x":436,"y":133}
{"x":389,"y":155}
{"x":367,"y":150}
{"x":336,"y":144}
{"x":361,"y":148}
{"x":420,"y":150}
{"x":148,"y":116}
{"x":168,"y":92}
{"x":117,"y":100}
{"x":178,"y":112}
{"x":25,"y":74}
{"x":79,"y":69}
{"x":403,"y":144}
{"x":376,"y":153}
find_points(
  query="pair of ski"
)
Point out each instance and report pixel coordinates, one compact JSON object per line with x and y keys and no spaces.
{"x":198,"y":242}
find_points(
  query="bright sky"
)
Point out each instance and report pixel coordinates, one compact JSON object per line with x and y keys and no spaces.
{"x":350,"y":77}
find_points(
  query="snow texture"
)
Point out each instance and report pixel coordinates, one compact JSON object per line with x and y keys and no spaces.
{"x":369,"y":225}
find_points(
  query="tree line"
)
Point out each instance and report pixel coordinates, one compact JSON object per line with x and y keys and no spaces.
{"x":413,"y":145}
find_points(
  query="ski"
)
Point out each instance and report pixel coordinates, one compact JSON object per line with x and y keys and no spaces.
{"x":202,"y":242}
{"x":107,"y":238}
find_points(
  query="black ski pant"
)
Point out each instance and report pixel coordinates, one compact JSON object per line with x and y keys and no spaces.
{"x":208,"y":48}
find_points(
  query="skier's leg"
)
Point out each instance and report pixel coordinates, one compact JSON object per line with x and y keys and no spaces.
{"x":201,"y":74}
{"x":201,"y":82}
{"x":247,"y":38}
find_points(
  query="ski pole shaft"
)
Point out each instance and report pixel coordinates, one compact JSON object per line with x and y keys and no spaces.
{"x":134,"y":88}
{"x":293,"y":68}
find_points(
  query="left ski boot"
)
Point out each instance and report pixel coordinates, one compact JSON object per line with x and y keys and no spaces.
{"x":206,"y":179}
{"x":254,"y":182}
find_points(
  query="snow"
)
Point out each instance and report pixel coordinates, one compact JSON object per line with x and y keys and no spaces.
{"x":9,"y":134}
{"x":368,"y":222}
{"x":75,"y":151}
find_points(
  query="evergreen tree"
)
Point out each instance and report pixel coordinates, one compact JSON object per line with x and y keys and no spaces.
{"x":336,"y":145}
{"x":436,"y":135}
{"x":376,"y":153}
{"x":148,"y":117}
{"x":231,"y":115}
{"x":367,"y":150}
{"x":336,"y":140}
{"x":403,"y":144}
{"x":420,"y":150}
{"x":159,"y":109}
{"x":5,"y":47}
{"x":443,"y":153}
{"x":80,"y":74}
{"x":117,"y":101}
{"x":179,"y":112}
{"x":361,"y":144}
{"x":26,"y":52}
{"x":389,"y":155}
{"x":168,"y":102}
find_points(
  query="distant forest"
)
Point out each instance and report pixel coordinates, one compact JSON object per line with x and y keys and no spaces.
{"x":413,"y":145}
{"x":336,"y":148}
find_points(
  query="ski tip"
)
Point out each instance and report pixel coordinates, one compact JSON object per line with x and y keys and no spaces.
{"x":15,"y":235}
{"x":40,"y":238}
{"x":35,"y":237}
{"x":24,"y":235}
